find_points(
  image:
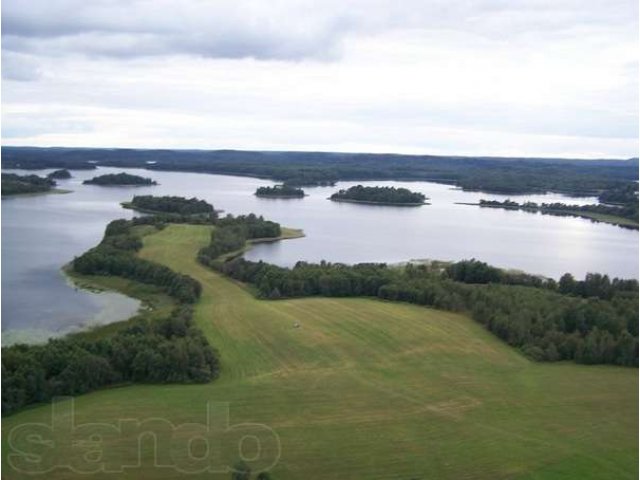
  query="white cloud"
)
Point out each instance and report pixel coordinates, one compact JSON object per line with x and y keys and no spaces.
{"x":492,"y":77}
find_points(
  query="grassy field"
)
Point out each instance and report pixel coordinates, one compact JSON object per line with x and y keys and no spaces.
{"x":365,"y":389}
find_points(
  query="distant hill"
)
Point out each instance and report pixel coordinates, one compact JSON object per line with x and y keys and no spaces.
{"x":503,"y":175}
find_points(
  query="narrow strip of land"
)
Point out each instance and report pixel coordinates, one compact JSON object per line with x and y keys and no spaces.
{"x":362,"y":388}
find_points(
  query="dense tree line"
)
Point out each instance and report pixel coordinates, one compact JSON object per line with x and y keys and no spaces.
{"x":252,"y":226}
{"x":628,"y":211}
{"x":62,"y":174}
{"x":171,"y":204}
{"x":169,"y":350}
{"x":115,"y":255}
{"x":622,"y":195}
{"x":383,"y":195}
{"x":590,"y":321}
{"x":232,"y":233}
{"x":13,"y":184}
{"x":597,"y":285}
{"x":120,"y":179}
{"x":284,"y":190}
{"x":502,"y":175}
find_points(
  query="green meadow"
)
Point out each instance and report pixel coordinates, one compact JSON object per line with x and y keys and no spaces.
{"x":366,"y":389}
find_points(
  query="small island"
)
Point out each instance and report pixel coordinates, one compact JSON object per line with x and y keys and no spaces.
{"x":280,"y":191}
{"x":170,"y":205}
{"x":120,"y":179}
{"x":380,"y":196}
{"x":13,"y":184}
{"x":62,"y":174}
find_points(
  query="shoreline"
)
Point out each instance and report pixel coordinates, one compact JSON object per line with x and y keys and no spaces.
{"x":56,"y":191}
{"x":130,"y":206}
{"x":388,"y":204}
{"x":593,"y":216}
{"x":286,"y":234}
{"x":287,"y":197}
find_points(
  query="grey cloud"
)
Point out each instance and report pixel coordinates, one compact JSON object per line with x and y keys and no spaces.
{"x":275,"y":30}
{"x":161,"y":27}
{"x":19,"y":67}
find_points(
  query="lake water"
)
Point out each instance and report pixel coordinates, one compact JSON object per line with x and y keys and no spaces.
{"x":42,"y":233}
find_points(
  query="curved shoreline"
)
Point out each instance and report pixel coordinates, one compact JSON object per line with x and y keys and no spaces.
{"x":593,"y":216}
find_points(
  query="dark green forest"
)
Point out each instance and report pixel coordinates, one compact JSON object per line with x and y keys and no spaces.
{"x":280,"y":191}
{"x":169,"y":350}
{"x":232,"y":233}
{"x":382,"y":195}
{"x":120,"y":179}
{"x":592,"y":321}
{"x":500,"y":175}
{"x":13,"y":184}
{"x":171,"y":204}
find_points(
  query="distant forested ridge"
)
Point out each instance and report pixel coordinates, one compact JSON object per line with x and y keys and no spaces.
{"x":592,"y":321}
{"x":169,"y":350}
{"x":13,"y":184}
{"x":280,"y":191}
{"x":500,"y":175}
{"x":170,"y":204}
{"x":380,"y":195}
{"x":120,"y":179}
{"x":60,"y":174}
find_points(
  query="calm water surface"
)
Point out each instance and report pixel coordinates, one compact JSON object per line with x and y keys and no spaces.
{"x":42,"y":233}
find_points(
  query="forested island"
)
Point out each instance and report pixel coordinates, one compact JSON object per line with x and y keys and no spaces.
{"x":13,"y":184}
{"x":379,"y":196}
{"x":170,"y":205}
{"x":625,"y":215}
{"x":62,"y":174}
{"x":489,"y":174}
{"x":280,"y":191}
{"x":120,"y":179}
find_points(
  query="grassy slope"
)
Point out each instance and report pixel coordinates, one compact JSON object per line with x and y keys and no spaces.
{"x":369,"y":389}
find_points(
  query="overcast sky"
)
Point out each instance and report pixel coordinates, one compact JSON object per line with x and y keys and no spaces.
{"x":471,"y":77}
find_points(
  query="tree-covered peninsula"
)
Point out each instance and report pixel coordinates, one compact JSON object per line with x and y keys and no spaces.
{"x":379,"y":196}
{"x":169,"y":205}
{"x":168,"y":349}
{"x":13,"y":184}
{"x":624,"y":215}
{"x":280,"y":191}
{"x":120,"y":179}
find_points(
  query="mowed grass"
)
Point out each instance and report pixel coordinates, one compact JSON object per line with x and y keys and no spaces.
{"x":378,"y":390}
